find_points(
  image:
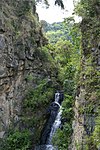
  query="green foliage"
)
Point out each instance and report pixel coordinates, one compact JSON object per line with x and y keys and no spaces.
{"x":56,"y":32}
{"x":38,"y":97}
{"x":96,"y":133}
{"x":57,"y":2}
{"x":17,"y":140}
{"x":88,"y":8}
{"x":89,"y":11}
{"x":60,"y":62}
{"x":91,"y":108}
{"x":34,"y":106}
{"x":65,"y":48}
{"x":23,"y":8}
{"x":69,"y":86}
{"x":93,"y":141}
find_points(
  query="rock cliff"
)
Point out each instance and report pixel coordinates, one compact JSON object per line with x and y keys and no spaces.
{"x":86,"y":128}
{"x":22,"y":61}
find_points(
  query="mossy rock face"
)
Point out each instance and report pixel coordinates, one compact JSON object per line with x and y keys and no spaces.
{"x":87,"y":100}
{"x":28,"y":72}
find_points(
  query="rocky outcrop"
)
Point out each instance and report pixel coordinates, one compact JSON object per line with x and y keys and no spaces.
{"x":87,"y":97}
{"x":20,"y":39}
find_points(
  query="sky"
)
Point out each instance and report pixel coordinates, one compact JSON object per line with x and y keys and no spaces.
{"x":55,"y":13}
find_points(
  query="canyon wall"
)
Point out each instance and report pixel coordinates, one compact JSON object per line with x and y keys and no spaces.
{"x":86,"y":128}
{"x":21,"y":62}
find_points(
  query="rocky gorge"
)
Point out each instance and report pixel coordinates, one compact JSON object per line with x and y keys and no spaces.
{"x":29,"y":77}
{"x":20,"y":39}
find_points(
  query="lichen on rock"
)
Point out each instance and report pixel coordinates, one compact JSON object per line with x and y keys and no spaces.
{"x":21,"y":38}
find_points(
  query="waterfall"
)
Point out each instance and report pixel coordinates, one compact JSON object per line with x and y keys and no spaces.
{"x":57,"y":122}
{"x":55,"y":126}
{"x":52,"y":124}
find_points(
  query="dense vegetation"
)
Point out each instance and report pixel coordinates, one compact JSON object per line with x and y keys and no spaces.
{"x":60,"y":60}
{"x":65,"y":48}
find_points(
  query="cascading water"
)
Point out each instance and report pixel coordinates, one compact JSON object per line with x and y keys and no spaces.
{"x":55,"y":126}
{"x":52,"y":124}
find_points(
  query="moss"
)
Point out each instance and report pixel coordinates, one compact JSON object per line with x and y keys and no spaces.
{"x":23,"y":8}
{"x":93,"y":141}
{"x":79,"y":146}
{"x":34,"y":106}
{"x":16,"y":140}
{"x":89,"y":79}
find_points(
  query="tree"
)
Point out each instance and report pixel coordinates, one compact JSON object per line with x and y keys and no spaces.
{"x":57,"y":2}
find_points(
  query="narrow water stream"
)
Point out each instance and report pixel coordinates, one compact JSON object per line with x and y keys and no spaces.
{"x":52,"y":124}
{"x":55,"y":126}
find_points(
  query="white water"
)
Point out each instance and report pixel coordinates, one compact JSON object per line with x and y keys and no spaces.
{"x":57,"y":97}
{"x":46,"y":147}
{"x":57,"y":122}
{"x":55,"y":126}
